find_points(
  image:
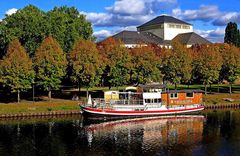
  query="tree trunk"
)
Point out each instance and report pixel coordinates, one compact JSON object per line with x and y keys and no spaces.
{"x":87,"y":93}
{"x":50,"y":94}
{"x":205,"y":86}
{"x":230,"y":88}
{"x":218,"y":87}
{"x":210,"y":88}
{"x":175,"y":85}
{"x":18,"y":95}
{"x":79,"y":89}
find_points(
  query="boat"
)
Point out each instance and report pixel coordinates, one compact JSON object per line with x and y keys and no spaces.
{"x":144,"y":100}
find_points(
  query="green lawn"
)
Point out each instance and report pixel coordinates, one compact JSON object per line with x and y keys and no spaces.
{"x":43,"y":106}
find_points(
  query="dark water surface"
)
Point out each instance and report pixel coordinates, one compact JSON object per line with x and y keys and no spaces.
{"x":212,"y":133}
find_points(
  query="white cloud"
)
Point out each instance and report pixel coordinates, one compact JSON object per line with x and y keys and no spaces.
{"x":103,"y":33}
{"x":11,"y":11}
{"x":98,"y":19}
{"x":127,"y":7}
{"x":204,"y":13}
{"x":128,"y":12}
{"x":208,"y":13}
{"x":226,"y":18}
{"x":214,"y":35}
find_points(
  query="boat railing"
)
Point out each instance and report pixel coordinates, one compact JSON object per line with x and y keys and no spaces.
{"x":184,"y":106}
{"x":102,"y":103}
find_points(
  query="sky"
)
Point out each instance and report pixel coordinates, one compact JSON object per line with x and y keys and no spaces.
{"x":209,"y":17}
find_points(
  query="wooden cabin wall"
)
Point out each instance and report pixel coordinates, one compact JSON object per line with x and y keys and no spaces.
{"x":182,"y":99}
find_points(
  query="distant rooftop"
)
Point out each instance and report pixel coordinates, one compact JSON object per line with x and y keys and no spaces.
{"x":191,"y":39}
{"x":134,"y":37}
{"x":163,"y":19}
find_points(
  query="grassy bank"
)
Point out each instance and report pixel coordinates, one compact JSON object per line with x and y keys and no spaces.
{"x":42,"y":106}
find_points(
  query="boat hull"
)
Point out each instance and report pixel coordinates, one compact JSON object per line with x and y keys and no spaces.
{"x":94,"y":112}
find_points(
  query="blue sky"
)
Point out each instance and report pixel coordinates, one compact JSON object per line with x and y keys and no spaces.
{"x":209,"y":17}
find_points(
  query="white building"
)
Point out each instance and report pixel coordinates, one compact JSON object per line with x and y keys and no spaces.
{"x":161,"y":31}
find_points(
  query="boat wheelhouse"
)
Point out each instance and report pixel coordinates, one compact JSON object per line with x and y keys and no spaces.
{"x":145,"y":100}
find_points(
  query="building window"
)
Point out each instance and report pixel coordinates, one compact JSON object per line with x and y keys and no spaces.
{"x":186,"y":27}
{"x":171,"y":26}
{"x":190,"y":95}
{"x":173,"y":95}
{"x":178,"y":26}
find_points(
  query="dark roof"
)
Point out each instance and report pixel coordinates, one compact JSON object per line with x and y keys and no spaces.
{"x":163,"y":19}
{"x":191,"y":39}
{"x":134,"y":37}
{"x":184,"y":91}
{"x":152,"y":86}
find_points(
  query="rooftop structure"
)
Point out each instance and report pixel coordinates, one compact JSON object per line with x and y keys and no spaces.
{"x":161,"y":31}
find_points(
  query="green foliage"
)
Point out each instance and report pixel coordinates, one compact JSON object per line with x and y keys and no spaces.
{"x":28,"y":25}
{"x":231,"y":63}
{"x":85,"y":63}
{"x":31,"y":25}
{"x":67,"y":26}
{"x":144,"y":65}
{"x":50,"y":64}
{"x":207,"y":63}
{"x":117,"y":62}
{"x":177,"y":64}
{"x":16,"y":68}
{"x":232,"y":34}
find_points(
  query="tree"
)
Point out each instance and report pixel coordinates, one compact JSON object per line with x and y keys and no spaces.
{"x":231,"y":64}
{"x":231,"y":34}
{"x":177,"y":64}
{"x":67,"y":26}
{"x":50,"y":65}
{"x":117,"y":62}
{"x":144,"y":65}
{"x":207,"y":64}
{"x":85,"y":63}
{"x":27,"y":24}
{"x":31,"y":25}
{"x":16,"y":68}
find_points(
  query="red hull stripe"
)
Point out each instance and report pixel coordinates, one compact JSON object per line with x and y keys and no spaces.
{"x":114,"y":112}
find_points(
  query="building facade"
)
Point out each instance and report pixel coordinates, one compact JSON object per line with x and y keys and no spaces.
{"x":161,"y":31}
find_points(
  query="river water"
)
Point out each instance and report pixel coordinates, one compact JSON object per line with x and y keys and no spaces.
{"x":212,"y":133}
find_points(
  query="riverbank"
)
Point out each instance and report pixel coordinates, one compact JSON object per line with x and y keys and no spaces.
{"x":69,"y":107}
{"x":48,"y":107}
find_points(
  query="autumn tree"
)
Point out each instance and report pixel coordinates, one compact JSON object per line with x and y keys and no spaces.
{"x":16,"y":69}
{"x":144,"y":65}
{"x":231,"y":64}
{"x":85,"y":63}
{"x":177,"y":64}
{"x":50,"y":64}
{"x":117,"y":62}
{"x":207,"y":64}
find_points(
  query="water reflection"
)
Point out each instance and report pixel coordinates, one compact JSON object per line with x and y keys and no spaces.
{"x":213,"y":133}
{"x":147,"y":134}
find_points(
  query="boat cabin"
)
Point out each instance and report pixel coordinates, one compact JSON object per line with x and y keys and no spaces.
{"x":181,"y":97}
{"x":153,"y":96}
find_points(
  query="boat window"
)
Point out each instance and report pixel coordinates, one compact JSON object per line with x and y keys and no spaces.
{"x":190,"y":94}
{"x":157,"y":100}
{"x":173,"y":95}
{"x":147,"y":100}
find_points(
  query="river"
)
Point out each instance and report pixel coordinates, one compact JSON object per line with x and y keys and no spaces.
{"x":212,"y":133}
